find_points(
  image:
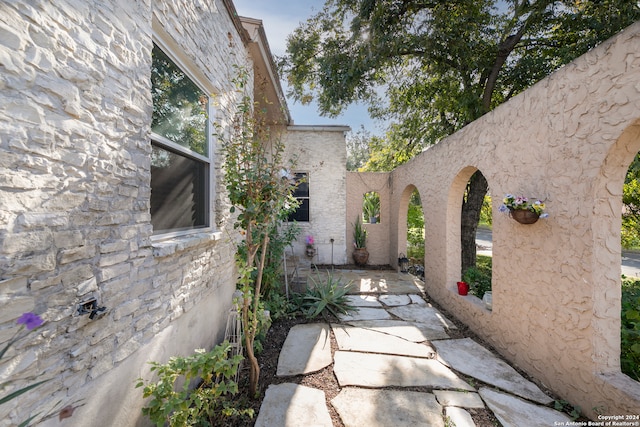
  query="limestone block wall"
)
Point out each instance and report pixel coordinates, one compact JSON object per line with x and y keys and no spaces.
{"x":556,"y":283}
{"x":378,"y":246}
{"x":320,"y":151}
{"x":75,"y":149}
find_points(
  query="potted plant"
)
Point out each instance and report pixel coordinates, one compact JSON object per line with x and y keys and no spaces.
{"x":360,"y":253}
{"x":310,"y":249}
{"x":522,"y":210}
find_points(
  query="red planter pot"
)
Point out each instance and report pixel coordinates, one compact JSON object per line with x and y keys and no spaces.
{"x":463,"y":288}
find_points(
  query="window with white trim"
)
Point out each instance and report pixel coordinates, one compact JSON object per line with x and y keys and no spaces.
{"x":181,"y":156}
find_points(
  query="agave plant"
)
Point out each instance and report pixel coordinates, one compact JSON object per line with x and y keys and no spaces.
{"x":327,"y":296}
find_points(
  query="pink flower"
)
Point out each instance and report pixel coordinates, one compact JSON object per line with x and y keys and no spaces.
{"x":30,"y":320}
{"x":310,"y":240}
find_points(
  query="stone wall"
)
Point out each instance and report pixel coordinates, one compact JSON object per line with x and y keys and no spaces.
{"x":74,"y":202}
{"x":556,"y":283}
{"x":321,"y":152}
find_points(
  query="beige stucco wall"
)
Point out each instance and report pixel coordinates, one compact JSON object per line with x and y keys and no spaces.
{"x":321,"y":152}
{"x":377,"y":234}
{"x":556,"y":284}
{"x":75,"y":150}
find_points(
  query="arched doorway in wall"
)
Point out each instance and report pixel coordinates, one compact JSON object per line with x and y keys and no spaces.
{"x":476,"y":271}
{"x":616,"y":305}
{"x":630,"y":281}
{"x":411,"y":230}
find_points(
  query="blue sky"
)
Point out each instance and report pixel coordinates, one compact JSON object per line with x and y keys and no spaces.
{"x":280,"y":18}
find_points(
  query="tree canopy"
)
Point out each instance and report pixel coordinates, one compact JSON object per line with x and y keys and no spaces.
{"x":431,"y":67}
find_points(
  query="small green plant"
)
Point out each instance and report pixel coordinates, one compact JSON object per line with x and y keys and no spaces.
{"x":479,"y":277}
{"x":327,"y":296}
{"x":359,"y":235}
{"x":178,"y":405}
{"x":279,"y":306}
{"x":566,"y":407}
{"x":630,"y":330}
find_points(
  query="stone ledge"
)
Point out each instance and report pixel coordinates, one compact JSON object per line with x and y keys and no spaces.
{"x":163,"y":247}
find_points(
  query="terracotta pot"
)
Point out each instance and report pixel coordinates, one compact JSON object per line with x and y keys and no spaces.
{"x":463,"y":288}
{"x":524,"y":216}
{"x":360,"y":256}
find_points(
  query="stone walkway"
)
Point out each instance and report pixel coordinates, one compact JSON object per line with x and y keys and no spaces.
{"x":396,"y":339}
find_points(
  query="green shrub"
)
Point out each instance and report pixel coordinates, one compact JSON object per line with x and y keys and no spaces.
{"x":178,"y":405}
{"x":327,"y":296}
{"x":279,"y":306}
{"x":630,"y":331}
{"x":479,"y":277}
{"x":486,"y":212}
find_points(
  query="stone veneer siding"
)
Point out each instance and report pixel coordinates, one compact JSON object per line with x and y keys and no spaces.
{"x":74,"y":202}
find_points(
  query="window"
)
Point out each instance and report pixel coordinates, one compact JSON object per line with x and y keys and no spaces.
{"x":371,"y":207}
{"x":180,"y":158}
{"x":301,"y":194}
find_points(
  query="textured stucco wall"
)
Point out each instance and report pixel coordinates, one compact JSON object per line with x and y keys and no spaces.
{"x":359,"y":183}
{"x":321,"y":152}
{"x":556,"y":284}
{"x":75,"y":150}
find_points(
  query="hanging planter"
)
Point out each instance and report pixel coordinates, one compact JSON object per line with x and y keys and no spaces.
{"x":524,"y":216}
{"x":522,"y":210}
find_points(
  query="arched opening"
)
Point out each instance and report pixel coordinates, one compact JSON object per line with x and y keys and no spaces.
{"x":478,"y":276}
{"x":630,"y":296}
{"x":415,"y":234}
{"x":610,"y":317}
{"x":407,"y":238}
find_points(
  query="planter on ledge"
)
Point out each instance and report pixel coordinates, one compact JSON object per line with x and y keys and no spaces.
{"x":463,"y":288}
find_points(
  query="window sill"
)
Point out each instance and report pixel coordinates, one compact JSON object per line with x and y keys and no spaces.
{"x":165,"y":246}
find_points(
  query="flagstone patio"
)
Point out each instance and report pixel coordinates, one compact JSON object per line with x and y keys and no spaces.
{"x":395,"y":341}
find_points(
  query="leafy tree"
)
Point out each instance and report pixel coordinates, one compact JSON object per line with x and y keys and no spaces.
{"x":358,"y":148}
{"x":442,"y":64}
{"x":260,"y":195}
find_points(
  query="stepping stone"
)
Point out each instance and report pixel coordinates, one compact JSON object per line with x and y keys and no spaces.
{"x":416,"y":332}
{"x":459,"y":417}
{"x":417,"y":299}
{"x":363,"y":301}
{"x":422,"y":314}
{"x":459,"y":399}
{"x":395,"y":300}
{"x":293,"y":405}
{"x":306,"y":349}
{"x":383,"y":408}
{"x":470,"y":358}
{"x":515,"y":412}
{"x":368,"y":341}
{"x":365,"y":313}
{"x":381,"y":370}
